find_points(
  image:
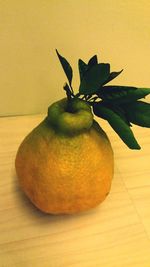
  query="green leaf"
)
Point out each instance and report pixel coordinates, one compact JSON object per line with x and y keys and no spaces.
{"x":118,"y":124}
{"x":66,"y":67}
{"x":94,"y":78}
{"x":83,"y":67}
{"x":93,"y":61}
{"x":139,"y":113}
{"x":122,"y":94}
{"x":113,"y":75}
{"x":120,"y":111}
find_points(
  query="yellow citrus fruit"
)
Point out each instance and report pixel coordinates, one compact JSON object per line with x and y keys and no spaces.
{"x":65,"y":165}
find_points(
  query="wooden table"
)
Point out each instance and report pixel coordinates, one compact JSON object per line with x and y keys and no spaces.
{"x":115,"y":234}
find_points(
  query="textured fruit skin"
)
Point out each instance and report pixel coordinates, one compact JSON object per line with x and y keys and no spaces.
{"x":65,"y":165}
{"x":62,"y":174}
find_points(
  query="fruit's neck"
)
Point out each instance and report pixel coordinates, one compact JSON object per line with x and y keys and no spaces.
{"x":70,"y":117}
{"x":71,"y":97}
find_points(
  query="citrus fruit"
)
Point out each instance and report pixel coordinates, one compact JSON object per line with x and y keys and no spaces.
{"x":65,"y":165}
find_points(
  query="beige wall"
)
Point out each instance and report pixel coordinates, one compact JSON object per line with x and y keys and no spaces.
{"x":30,"y":30}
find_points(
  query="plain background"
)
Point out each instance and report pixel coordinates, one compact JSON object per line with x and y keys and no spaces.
{"x":31,"y":77}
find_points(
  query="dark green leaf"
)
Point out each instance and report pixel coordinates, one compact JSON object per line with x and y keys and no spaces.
{"x":112,"y":76}
{"x":120,"y":111}
{"x":66,"y":67}
{"x":94,"y":78}
{"x":93,"y":61}
{"x":139,"y":113}
{"x":122,"y":94}
{"x":83,"y":67}
{"x":118,"y":124}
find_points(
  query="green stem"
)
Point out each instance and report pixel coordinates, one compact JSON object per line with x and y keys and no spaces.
{"x":69,"y":92}
{"x":71,"y":89}
{"x":93,"y":98}
{"x":77,"y":95}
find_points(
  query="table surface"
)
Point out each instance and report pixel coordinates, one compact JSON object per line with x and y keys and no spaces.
{"x":115,"y":234}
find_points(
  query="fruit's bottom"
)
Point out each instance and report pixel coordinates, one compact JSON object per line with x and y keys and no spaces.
{"x":61,"y":205}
